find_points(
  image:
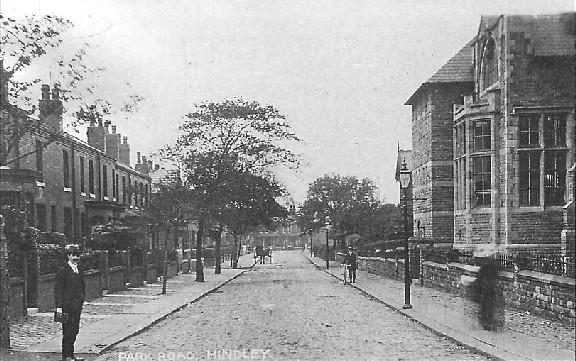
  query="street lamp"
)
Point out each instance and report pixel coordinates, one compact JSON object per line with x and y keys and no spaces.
{"x":327,"y":246}
{"x":405,"y":179}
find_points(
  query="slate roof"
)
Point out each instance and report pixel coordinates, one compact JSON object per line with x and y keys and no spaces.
{"x":457,"y":69}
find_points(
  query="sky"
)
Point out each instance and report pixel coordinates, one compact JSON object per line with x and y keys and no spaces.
{"x":339,"y":70}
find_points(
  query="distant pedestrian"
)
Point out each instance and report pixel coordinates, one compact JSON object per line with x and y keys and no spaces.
{"x":69,"y":296}
{"x":351,"y":263}
{"x":488,"y":295}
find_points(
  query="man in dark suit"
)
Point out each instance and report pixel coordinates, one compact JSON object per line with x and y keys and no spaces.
{"x":351,"y":264}
{"x":69,"y":295}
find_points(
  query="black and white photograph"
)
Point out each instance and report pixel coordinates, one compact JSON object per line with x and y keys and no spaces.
{"x":299,"y":180}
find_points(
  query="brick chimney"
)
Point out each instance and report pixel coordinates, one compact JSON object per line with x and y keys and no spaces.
{"x":51,"y":108}
{"x":96,"y":136}
{"x":124,"y":152}
{"x":143,"y":166}
{"x":112,"y":142}
{"x":4,"y":77}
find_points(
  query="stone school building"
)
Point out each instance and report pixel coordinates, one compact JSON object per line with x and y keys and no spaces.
{"x":493,"y":138}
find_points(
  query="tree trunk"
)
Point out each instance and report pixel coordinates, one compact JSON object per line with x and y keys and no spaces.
{"x":235,"y":253}
{"x":165,"y":261}
{"x":4,"y":288}
{"x":218,"y":266}
{"x":199,"y":235}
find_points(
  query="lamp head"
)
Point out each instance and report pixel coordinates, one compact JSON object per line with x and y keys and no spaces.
{"x":405,"y":175}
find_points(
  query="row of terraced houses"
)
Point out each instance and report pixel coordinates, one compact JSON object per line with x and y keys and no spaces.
{"x":64,"y":184}
{"x":493,"y":149}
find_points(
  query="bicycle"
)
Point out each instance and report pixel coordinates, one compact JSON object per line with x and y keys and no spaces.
{"x":345,"y":271}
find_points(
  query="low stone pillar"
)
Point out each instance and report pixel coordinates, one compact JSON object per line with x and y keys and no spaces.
{"x":104,"y":271}
{"x":128,"y":266}
{"x":145,"y":265}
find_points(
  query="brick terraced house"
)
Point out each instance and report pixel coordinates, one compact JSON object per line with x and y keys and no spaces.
{"x":70,"y":185}
{"x":493,"y":137}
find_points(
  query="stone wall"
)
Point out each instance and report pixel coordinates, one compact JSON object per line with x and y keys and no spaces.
{"x":112,"y":280}
{"x":16,"y":294}
{"x":544,"y":294}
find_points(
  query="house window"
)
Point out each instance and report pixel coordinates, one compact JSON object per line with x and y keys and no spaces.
{"x":66,"y":168}
{"x":529,"y":164}
{"x":123,"y":190}
{"x":39,"y":156}
{"x":554,"y":178}
{"x":554,"y":130}
{"x":116,"y":178}
{"x":91,"y":176}
{"x":82,"y":180}
{"x":482,"y":183}
{"x":105,"y":181}
{"x":482,"y":135}
{"x":528,"y":129}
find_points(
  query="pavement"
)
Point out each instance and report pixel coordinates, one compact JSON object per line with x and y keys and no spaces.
{"x":113,"y":318}
{"x":523,"y":337}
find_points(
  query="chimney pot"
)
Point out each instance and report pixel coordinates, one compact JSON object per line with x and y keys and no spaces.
{"x":45,"y":92}
{"x":55,"y":92}
{"x":113,"y":129}
{"x":125,"y":140}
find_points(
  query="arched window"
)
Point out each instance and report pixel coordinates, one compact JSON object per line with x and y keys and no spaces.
{"x":489,"y":69}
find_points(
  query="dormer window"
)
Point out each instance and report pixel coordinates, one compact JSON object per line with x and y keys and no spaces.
{"x":489,"y":65}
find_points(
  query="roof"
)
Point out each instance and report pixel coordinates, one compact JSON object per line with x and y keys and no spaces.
{"x":458,"y":69}
{"x":163,"y":176}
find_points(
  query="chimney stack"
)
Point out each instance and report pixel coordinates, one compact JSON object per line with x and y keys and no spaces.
{"x":51,"y":110}
{"x":124,"y":152}
{"x":96,"y":136}
{"x":4,"y":77}
{"x":112,"y":142}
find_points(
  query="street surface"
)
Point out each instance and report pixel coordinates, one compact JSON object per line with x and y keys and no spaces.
{"x":287,"y":311}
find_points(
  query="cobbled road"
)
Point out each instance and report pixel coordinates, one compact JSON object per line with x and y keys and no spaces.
{"x":287,"y":310}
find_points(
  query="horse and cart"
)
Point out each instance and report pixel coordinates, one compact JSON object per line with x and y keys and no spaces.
{"x":261,"y":253}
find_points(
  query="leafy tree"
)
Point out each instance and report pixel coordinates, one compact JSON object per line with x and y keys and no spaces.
{"x":352,"y":208}
{"x":251,"y":204}
{"x":345,"y":201}
{"x":167,"y":209}
{"x":220,"y":141}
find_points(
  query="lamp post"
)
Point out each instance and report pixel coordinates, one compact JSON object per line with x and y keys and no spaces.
{"x":405,"y":179}
{"x":327,"y":224}
{"x":310,"y":234}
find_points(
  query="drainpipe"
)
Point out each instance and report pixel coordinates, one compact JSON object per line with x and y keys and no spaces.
{"x":74,"y":200}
